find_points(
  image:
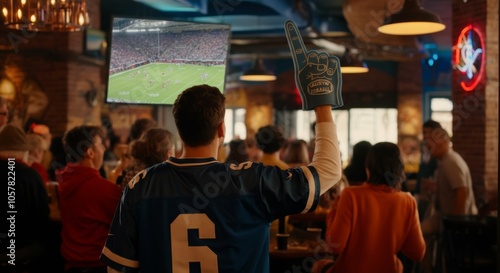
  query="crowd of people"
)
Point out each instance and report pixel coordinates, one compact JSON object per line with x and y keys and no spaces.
{"x":365,"y":183}
{"x":88,"y":197}
{"x":162,"y":210}
{"x":135,"y":49}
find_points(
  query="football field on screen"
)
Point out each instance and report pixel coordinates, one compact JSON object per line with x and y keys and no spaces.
{"x":160,"y":83}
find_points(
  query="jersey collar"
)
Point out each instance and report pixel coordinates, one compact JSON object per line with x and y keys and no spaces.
{"x":191,"y":161}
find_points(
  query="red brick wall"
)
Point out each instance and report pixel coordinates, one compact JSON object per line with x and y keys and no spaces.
{"x":491,"y":109}
{"x":475,"y":113}
{"x":409,"y":98}
{"x":94,"y":10}
{"x":55,"y":61}
{"x":83,"y":78}
{"x":52,"y":59}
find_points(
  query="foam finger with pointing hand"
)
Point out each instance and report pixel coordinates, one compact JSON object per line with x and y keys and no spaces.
{"x":317,"y":74}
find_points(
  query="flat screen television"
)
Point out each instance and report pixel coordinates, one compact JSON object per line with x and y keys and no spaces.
{"x":151,"y":61}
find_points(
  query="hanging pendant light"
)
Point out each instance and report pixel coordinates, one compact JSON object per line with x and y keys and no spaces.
{"x":412,"y":20}
{"x":331,"y":26}
{"x":351,"y":63}
{"x":258,"y":73}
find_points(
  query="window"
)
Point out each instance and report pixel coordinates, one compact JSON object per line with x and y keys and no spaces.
{"x":235,"y":124}
{"x":354,"y":125}
{"x":441,"y":112}
{"x":373,"y":125}
{"x":437,"y":105}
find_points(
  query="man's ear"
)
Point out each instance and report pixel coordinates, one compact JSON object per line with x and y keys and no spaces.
{"x":221,"y":130}
{"x":90,"y":153}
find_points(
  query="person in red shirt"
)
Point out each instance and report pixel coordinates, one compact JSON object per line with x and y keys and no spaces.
{"x":375,"y":221}
{"x":86,"y":200}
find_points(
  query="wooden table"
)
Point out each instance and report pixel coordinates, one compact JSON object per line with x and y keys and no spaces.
{"x":300,"y":256}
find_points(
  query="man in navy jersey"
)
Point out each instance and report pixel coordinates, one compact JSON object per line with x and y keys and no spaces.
{"x":195,"y":214}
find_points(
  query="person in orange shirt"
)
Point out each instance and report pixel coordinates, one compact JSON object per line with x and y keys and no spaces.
{"x":375,"y":221}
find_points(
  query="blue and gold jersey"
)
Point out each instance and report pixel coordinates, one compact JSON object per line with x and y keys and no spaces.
{"x":200,"y":215}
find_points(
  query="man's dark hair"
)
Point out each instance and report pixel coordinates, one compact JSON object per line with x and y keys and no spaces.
{"x":140,"y":126}
{"x":270,"y":139}
{"x":385,"y":165}
{"x":237,"y":152}
{"x":432,"y":124}
{"x":77,"y":140}
{"x":198,"y":111}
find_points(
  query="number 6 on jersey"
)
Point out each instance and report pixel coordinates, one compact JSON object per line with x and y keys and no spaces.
{"x":183,"y":254}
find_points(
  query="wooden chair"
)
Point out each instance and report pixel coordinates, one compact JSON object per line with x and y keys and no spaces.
{"x":469,"y":243}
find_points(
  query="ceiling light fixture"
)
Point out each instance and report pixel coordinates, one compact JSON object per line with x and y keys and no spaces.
{"x":351,"y":63}
{"x":331,"y":26}
{"x":45,"y":15}
{"x":258,"y":73}
{"x":412,"y":20}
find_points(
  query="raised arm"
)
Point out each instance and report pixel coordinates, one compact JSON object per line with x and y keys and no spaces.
{"x":326,"y":157}
{"x":319,"y":80}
